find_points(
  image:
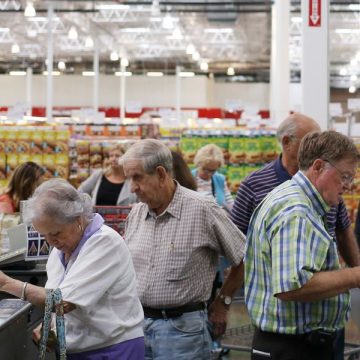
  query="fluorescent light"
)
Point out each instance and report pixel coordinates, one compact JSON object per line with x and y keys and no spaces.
{"x":54,"y":73}
{"x":230,"y":71}
{"x":296,"y":19}
{"x":353,"y":77}
{"x":73,"y":34}
{"x":17,"y":73}
{"x":15,"y":49}
{"x":114,"y":56}
{"x":354,"y":7}
{"x":155,"y":19}
{"x":88,"y":73}
{"x":187,"y":73}
{"x":347,"y":31}
{"x":29,"y":10}
{"x":4,"y":30}
{"x":353,"y":62}
{"x":155,"y":73}
{"x":126,"y":73}
{"x":112,"y":7}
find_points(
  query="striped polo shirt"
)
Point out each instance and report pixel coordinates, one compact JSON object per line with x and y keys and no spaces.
{"x":257,"y":185}
{"x":287,"y":243}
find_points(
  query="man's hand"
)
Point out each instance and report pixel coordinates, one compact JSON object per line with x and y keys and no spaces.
{"x":218,"y":317}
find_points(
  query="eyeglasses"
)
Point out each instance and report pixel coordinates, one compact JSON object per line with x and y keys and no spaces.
{"x":345,"y":178}
{"x":209,"y":171}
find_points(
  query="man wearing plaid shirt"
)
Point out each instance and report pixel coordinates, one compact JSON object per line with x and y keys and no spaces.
{"x":295,"y":289}
{"x":175,"y":236}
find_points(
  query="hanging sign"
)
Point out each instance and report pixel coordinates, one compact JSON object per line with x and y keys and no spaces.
{"x":315,"y":13}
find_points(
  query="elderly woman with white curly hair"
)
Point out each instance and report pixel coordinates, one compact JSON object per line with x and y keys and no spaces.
{"x":91,"y":265}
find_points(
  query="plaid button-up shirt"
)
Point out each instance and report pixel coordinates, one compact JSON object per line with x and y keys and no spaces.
{"x":176,"y":253}
{"x":287,"y":243}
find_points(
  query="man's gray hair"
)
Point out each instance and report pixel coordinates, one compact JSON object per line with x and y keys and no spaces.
{"x":151,"y":153}
{"x":293,"y":123}
{"x":58,"y":200}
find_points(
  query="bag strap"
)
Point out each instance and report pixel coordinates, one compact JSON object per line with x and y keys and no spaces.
{"x":53,"y":300}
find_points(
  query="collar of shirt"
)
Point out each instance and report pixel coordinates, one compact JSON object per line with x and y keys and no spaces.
{"x":94,"y":225}
{"x":280,"y":170}
{"x":309,"y":189}
{"x":174,"y":208}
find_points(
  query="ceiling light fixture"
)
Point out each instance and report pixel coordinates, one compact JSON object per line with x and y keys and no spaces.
{"x":343,"y":72}
{"x":190,"y":49}
{"x":112,"y":7}
{"x":187,"y":73}
{"x":53,"y":73}
{"x":89,"y":42}
{"x":29,"y":10}
{"x":353,"y":78}
{"x":124,"y":62}
{"x":15,"y":49}
{"x":230,"y":71}
{"x":204,"y":66}
{"x":61,"y":65}
{"x":126,"y":73}
{"x":88,"y":73}
{"x":114,"y":56}
{"x":17,"y":73}
{"x":73,"y":34}
{"x":352,"y":89}
{"x":168,"y":22}
{"x":195,"y":56}
{"x":155,"y":73}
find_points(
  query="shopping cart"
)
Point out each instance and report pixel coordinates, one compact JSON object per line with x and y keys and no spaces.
{"x":240,"y":339}
{"x":114,"y":216}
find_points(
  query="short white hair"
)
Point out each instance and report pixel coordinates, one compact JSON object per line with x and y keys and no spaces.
{"x":58,"y":200}
{"x":150,"y":153}
{"x":209,"y":153}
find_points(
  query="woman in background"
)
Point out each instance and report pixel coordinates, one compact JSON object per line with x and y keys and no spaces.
{"x":182,"y":173}
{"x":209,"y":181}
{"x":109,"y":186}
{"x":23,"y":182}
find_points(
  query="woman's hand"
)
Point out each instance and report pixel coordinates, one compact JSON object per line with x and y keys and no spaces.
{"x":52,"y":340}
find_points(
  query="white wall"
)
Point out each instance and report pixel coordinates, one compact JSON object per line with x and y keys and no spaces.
{"x":199,"y":91}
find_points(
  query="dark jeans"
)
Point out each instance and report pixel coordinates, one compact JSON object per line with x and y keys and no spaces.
{"x":317,"y":345}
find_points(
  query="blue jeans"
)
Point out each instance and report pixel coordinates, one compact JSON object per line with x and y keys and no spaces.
{"x":182,"y":338}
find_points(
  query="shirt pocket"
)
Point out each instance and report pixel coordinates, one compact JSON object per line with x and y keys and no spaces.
{"x":178,"y":263}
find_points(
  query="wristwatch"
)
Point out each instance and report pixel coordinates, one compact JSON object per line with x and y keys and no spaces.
{"x":226,"y":299}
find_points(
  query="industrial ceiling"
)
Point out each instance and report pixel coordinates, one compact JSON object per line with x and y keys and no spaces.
{"x":204,"y":36}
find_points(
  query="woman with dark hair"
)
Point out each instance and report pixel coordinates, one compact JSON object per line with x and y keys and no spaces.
{"x":182,"y":173}
{"x":23,"y":182}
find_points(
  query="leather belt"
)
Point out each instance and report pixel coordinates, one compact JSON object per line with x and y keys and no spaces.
{"x":172,"y":312}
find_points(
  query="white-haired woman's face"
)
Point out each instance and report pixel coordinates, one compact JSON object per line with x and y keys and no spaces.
{"x":64,"y":237}
{"x":208,"y":169}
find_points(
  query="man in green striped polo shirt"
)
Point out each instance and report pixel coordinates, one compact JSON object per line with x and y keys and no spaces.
{"x":295,"y":289}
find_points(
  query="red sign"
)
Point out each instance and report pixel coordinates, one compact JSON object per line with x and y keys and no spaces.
{"x":315,"y":13}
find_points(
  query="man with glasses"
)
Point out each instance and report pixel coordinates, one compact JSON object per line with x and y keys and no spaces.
{"x":256,"y":186}
{"x":296,"y":291}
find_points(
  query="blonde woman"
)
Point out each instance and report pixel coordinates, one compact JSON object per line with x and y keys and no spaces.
{"x":109,"y":186}
{"x":209,"y":181}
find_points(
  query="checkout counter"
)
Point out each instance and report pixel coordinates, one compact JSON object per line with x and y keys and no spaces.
{"x":18,"y":318}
